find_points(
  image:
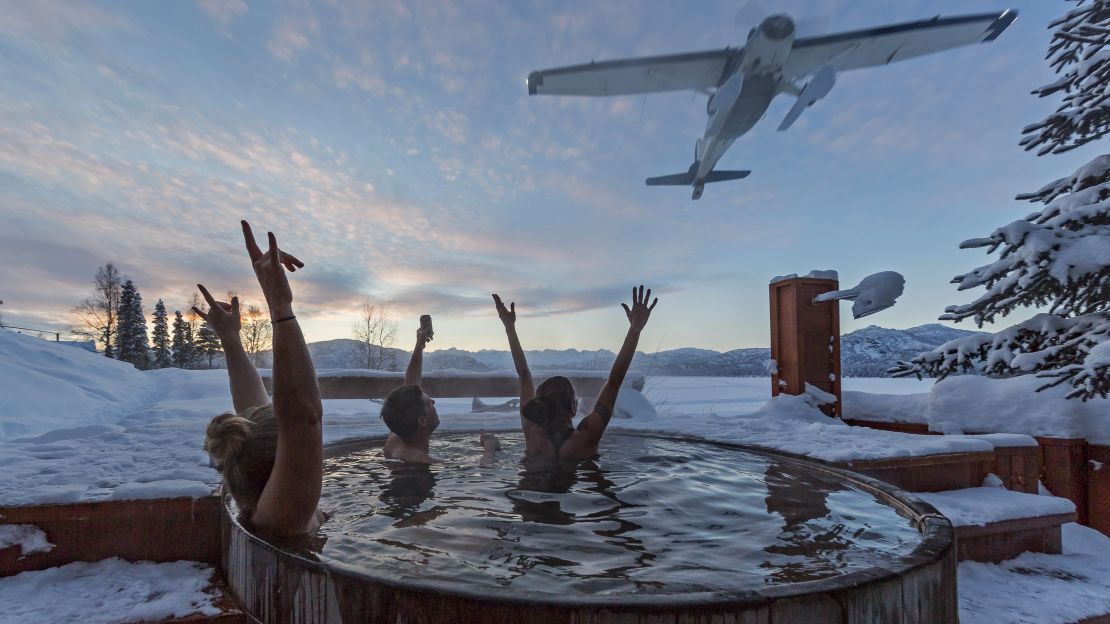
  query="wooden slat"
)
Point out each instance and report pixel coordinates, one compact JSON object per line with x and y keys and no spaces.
{"x":1065,"y":470}
{"x":917,"y":428}
{"x":1098,"y":487}
{"x":159,"y":530}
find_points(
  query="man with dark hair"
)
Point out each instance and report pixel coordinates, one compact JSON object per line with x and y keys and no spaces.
{"x":411,"y":414}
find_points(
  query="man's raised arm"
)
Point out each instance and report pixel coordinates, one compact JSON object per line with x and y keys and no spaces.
{"x":414,"y":372}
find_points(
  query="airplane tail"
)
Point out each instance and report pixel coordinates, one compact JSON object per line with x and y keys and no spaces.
{"x":724,"y":176}
{"x":675,"y":179}
{"x":687,"y":179}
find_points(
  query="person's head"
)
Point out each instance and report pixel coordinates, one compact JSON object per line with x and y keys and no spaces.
{"x":554,"y":405}
{"x":243,"y":447}
{"x":410,"y":413}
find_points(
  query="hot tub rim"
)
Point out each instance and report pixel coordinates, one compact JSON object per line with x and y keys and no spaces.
{"x":937,"y":539}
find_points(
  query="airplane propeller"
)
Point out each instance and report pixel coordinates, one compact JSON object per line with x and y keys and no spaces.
{"x":751,"y":13}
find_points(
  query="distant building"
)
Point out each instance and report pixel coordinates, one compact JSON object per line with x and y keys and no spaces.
{"x":88,"y":345}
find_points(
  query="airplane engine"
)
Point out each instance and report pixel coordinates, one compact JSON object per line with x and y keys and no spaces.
{"x":768,"y":45}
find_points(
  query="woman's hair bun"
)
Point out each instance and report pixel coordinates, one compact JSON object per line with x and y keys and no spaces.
{"x":225,"y":437}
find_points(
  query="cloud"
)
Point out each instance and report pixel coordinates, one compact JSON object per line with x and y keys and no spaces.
{"x":223,"y":12}
{"x":53,"y":21}
{"x":291,"y":37}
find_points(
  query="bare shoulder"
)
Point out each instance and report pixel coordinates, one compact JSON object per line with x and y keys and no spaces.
{"x":389,"y":449}
{"x":582,"y":444}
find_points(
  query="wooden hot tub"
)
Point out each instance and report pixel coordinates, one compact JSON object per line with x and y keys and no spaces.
{"x":294,"y":585}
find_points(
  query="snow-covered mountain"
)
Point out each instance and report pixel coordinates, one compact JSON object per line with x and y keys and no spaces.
{"x":866,"y":352}
{"x":870,"y":351}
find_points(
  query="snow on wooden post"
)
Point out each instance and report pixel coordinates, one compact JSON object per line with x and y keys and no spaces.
{"x":805,"y":338}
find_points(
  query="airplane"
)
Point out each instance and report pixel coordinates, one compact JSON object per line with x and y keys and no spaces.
{"x":741,"y":82}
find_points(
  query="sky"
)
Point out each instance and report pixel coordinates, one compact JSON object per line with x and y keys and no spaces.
{"x":393,"y":147}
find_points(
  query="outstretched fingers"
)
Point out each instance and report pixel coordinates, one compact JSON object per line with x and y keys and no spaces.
{"x":291,"y":262}
{"x":275,"y":253}
{"x":652,"y":306}
{"x":626,"y":310}
{"x":207,"y":296}
{"x":248,"y":237}
{"x":235,"y":307}
{"x":202,"y":315}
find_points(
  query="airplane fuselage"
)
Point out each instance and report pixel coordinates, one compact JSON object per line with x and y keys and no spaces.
{"x":743,"y":97}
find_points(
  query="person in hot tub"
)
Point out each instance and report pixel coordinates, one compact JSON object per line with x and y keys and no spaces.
{"x":270,"y":455}
{"x":546,"y":413}
{"x":410,"y":414}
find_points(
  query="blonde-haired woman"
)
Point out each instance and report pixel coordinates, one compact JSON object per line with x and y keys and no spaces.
{"x":271,"y":455}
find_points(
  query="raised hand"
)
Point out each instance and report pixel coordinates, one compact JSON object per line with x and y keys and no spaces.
{"x":223,"y":318}
{"x":640,"y":312}
{"x":508,"y":315}
{"x":423,"y":336}
{"x":268,"y":270}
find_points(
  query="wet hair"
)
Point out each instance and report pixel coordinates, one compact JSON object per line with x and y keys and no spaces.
{"x":243,"y":447}
{"x":554,"y":400}
{"x":402,"y":409}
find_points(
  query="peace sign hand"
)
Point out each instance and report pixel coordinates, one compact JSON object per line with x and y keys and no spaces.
{"x":640,"y":312}
{"x":508,"y":315}
{"x":223,"y":318}
{"x":268,"y":270}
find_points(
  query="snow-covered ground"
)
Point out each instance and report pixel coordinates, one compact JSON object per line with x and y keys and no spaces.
{"x":81,"y":427}
{"x":76,"y":426}
{"x":1035,"y":588}
{"x":107,"y":592}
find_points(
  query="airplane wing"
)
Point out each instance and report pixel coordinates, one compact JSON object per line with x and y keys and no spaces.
{"x":696,"y":71}
{"x":879,"y":46}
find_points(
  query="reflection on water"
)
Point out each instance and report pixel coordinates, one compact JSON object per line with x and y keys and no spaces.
{"x":648,"y":516}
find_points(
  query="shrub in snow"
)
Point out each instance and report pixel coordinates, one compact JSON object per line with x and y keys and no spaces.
{"x":1058,"y":256}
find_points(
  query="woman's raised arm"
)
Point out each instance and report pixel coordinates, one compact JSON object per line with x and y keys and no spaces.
{"x":247,"y":390}
{"x":586,"y":438}
{"x":288,"y":502}
{"x":527,"y":387}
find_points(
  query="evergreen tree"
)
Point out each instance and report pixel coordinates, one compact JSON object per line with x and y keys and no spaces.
{"x":161,"y":355}
{"x":132,"y":342}
{"x":207,"y":342}
{"x":1058,"y":256}
{"x":182,"y":342}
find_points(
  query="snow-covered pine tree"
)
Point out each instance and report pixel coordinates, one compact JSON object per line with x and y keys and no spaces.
{"x":207,"y":343}
{"x":161,"y":356}
{"x":1058,"y":256}
{"x":140,"y":340}
{"x":1078,"y":53}
{"x":182,"y":342}
{"x":125,"y":323}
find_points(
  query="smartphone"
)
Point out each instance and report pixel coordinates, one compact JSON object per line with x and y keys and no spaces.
{"x":426,"y":324}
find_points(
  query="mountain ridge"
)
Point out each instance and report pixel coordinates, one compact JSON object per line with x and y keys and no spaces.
{"x":865,"y":352}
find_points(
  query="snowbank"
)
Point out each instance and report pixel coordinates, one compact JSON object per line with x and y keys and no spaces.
{"x":107,"y":592}
{"x":981,"y":404}
{"x":46,"y":385}
{"x":793,"y":424}
{"x":972,"y":403}
{"x":897,"y":408}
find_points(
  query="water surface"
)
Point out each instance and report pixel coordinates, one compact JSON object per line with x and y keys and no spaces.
{"x":649,"y":516}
